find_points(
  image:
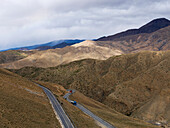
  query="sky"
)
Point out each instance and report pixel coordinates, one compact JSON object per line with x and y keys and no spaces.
{"x":29,"y":22}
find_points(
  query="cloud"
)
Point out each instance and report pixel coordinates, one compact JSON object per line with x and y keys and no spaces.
{"x":28,"y":22}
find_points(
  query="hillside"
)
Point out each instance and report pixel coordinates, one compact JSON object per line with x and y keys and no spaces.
{"x":133,"y":84}
{"x":23,"y":104}
{"x":115,"y":118}
{"x":54,"y":57}
{"x":13,"y":55}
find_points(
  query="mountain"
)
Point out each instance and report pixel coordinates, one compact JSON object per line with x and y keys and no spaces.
{"x":49,"y":45}
{"x":54,"y":57}
{"x":135,"y":84}
{"x":150,"y":27}
{"x":155,"y":41}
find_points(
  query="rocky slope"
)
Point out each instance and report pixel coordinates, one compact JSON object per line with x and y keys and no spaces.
{"x":133,"y":84}
{"x":155,"y":41}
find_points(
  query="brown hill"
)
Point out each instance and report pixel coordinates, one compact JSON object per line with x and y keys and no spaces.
{"x":54,"y":57}
{"x":23,"y":104}
{"x":13,"y":55}
{"x":133,"y":84}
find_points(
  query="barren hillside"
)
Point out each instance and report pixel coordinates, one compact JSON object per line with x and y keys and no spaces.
{"x":23,"y":104}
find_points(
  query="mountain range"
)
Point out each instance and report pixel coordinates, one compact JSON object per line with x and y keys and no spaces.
{"x":156,"y":39}
{"x":54,"y":57}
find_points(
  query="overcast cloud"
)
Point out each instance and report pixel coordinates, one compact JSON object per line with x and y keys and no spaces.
{"x":28,"y":22}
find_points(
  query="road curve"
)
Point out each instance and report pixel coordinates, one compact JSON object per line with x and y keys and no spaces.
{"x":88,"y":112}
{"x":63,"y":118}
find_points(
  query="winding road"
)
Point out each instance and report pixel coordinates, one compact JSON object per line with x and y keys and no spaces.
{"x":88,"y":112}
{"x":63,"y":118}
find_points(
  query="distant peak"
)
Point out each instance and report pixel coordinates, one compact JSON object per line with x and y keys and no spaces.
{"x":158,"y":22}
{"x":160,"y":19}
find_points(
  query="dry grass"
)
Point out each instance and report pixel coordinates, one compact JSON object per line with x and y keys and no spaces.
{"x":23,"y":104}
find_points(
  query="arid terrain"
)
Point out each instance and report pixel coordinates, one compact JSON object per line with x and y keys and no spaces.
{"x":54,"y":57}
{"x":24,"y":104}
{"x":156,"y":41}
{"x":133,"y":84}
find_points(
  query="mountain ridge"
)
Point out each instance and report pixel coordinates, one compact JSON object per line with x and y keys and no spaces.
{"x":49,"y":45}
{"x":150,"y":27}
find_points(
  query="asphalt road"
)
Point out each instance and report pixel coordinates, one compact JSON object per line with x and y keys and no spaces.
{"x":88,"y":112}
{"x":66,"y":123}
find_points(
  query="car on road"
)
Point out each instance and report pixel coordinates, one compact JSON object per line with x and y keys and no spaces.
{"x":74,"y":102}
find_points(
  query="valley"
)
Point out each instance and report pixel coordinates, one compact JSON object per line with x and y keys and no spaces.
{"x":131,"y":84}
